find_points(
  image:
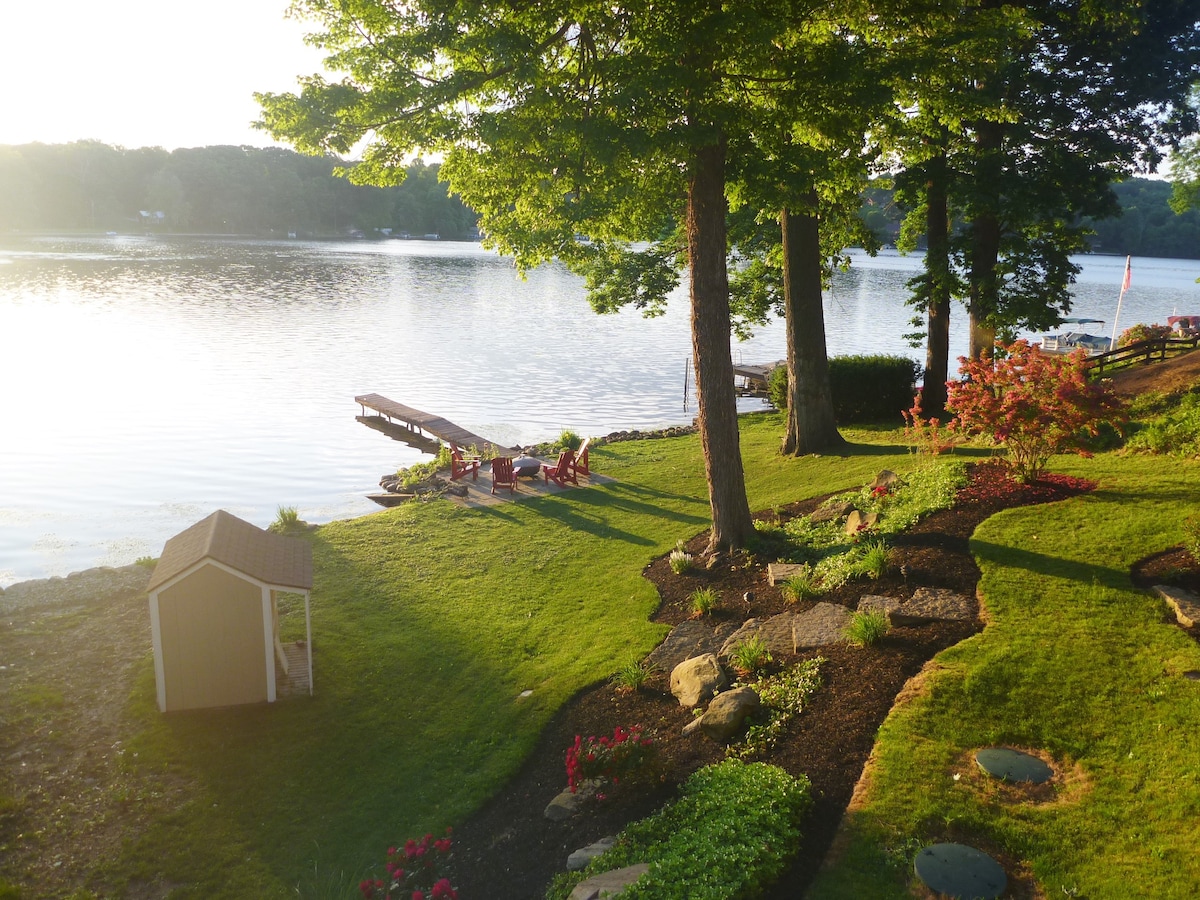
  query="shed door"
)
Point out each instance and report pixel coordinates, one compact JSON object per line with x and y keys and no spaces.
{"x":212,"y":640}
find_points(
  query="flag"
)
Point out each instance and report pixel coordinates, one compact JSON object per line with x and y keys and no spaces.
{"x":1125,"y":283}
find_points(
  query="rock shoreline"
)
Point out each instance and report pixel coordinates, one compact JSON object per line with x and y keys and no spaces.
{"x":89,"y":586}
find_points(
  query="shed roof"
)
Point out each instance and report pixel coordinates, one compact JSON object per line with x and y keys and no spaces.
{"x":269,"y":558}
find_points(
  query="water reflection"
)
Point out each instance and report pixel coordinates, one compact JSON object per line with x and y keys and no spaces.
{"x":148,"y":381}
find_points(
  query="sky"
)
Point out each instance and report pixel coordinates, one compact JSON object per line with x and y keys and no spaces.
{"x":145,"y":73}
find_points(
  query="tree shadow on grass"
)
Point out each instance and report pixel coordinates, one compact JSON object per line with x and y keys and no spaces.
{"x":1051,"y":566}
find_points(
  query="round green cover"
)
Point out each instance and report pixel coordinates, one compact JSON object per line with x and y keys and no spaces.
{"x":956,"y":870}
{"x":1013,"y":765}
{"x":1193,"y":674}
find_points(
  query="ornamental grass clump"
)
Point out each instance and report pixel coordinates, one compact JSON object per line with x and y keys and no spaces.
{"x":416,"y":870}
{"x":750,"y":656}
{"x":630,"y":677}
{"x":704,"y":601}
{"x":609,"y":758}
{"x":866,"y":629}
{"x":873,"y":560}
{"x":803,"y":585}
{"x":680,"y":560}
{"x":1036,"y":404}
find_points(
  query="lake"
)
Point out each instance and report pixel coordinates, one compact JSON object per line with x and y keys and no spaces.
{"x":145,"y":382}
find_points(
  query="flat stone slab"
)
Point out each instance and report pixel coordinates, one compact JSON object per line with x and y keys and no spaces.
{"x":931,"y":604}
{"x":585,"y":855}
{"x":777,"y":572}
{"x":1013,"y":765}
{"x":878,"y":603}
{"x":609,"y":884}
{"x":778,"y":634}
{"x":956,"y":870}
{"x":688,"y":639}
{"x":821,"y":625}
{"x":1185,"y":604}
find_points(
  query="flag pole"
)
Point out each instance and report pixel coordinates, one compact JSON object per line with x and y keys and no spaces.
{"x":1112,"y":341}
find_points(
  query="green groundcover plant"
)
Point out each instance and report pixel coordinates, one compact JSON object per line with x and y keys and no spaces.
{"x":728,"y":836}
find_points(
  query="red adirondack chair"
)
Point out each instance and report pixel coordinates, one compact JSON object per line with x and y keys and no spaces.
{"x":461,"y":463}
{"x":580,"y":466}
{"x":562,"y":471}
{"x":502,"y":474}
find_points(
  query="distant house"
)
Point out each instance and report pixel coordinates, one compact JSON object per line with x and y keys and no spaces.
{"x":214,"y":616}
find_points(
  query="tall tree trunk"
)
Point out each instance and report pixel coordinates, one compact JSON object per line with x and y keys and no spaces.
{"x":983,"y":299}
{"x":715,"y":395}
{"x":937,"y":266}
{"x":810,"y":421}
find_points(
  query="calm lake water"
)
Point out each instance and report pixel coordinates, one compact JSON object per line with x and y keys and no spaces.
{"x":146,"y":382}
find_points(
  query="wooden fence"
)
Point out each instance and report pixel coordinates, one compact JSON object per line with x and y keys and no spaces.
{"x":1142,"y":352}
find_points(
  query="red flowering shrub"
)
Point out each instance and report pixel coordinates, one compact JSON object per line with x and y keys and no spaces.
{"x":1036,"y":404}
{"x":414,"y":872}
{"x":1143,"y":333}
{"x":929,"y":435}
{"x":613,"y":757}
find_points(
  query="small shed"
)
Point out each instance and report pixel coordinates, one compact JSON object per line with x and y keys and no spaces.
{"x":214,"y":616}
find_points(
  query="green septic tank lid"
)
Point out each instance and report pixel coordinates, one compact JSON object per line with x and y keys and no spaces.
{"x":956,"y":870}
{"x":1192,"y":674}
{"x":1013,"y":765}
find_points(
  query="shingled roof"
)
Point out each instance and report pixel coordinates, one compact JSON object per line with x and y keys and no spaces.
{"x":272,"y":559}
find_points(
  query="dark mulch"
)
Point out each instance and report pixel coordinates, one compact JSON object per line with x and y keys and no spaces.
{"x":509,"y":850}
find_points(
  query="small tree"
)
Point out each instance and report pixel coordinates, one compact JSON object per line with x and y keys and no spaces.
{"x":1036,"y":404}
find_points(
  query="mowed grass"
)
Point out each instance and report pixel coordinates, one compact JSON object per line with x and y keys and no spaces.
{"x":429,"y":622}
{"x":1074,"y":662}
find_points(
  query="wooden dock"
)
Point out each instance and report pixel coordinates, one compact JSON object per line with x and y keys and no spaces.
{"x":754,"y":377}
{"x":413,"y":426}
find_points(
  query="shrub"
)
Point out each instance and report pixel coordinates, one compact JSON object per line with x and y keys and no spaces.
{"x":419,"y":472}
{"x":866,"y":628}
{"x":148,"y":562}
{"x":1142,"y":332}
{"x":704,"y":601}
{"x":777,"y":387}
{"x":1036,"y":404}
{"x":569,"y":440}
{"x":729,"y":834}
{"x":871,"y":388}
{"x":1174,"y":430}
{"x":680,"y":560}
{"x":750,"y":656}
{"x":630,"y":677}
{"x":417,"y":869}
{"x":1191,"y":536}
{"x":611,"y":758}
{"x":802,"y":586}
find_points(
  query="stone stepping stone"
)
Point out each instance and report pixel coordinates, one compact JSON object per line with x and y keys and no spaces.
{"x":1013,"y":765}
{"x":1185,"y":604}
{"x":878,"y":603}
{"x":821,"y":625}
{"x":688,"y":639}
{"x":956,"y":870}
{"x":748,"y":630}
{"x":931,"y":604}
{"x":609,"y":884}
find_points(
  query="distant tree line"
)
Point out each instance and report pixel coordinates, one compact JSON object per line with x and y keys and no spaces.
{"x":90,"y":186}
{"x":1144,"y":225}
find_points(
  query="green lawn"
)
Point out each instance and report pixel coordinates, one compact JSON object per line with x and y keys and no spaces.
{"x":430,"y":620}
{"x":1074,"y":662}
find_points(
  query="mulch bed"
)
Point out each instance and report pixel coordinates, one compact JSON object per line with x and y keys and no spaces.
{"x":510,"y":850}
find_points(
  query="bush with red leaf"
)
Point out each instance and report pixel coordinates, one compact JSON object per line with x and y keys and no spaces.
{"x":1036,"y":404}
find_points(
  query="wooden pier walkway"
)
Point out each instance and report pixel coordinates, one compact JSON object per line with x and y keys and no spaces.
{"x":403,"y":423}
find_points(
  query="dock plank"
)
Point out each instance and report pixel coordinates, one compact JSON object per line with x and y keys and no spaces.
{"x":436,"y":425}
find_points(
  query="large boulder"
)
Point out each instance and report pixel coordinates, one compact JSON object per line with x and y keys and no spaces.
{"x":695,"y":680}
{"x":726,"y":716}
